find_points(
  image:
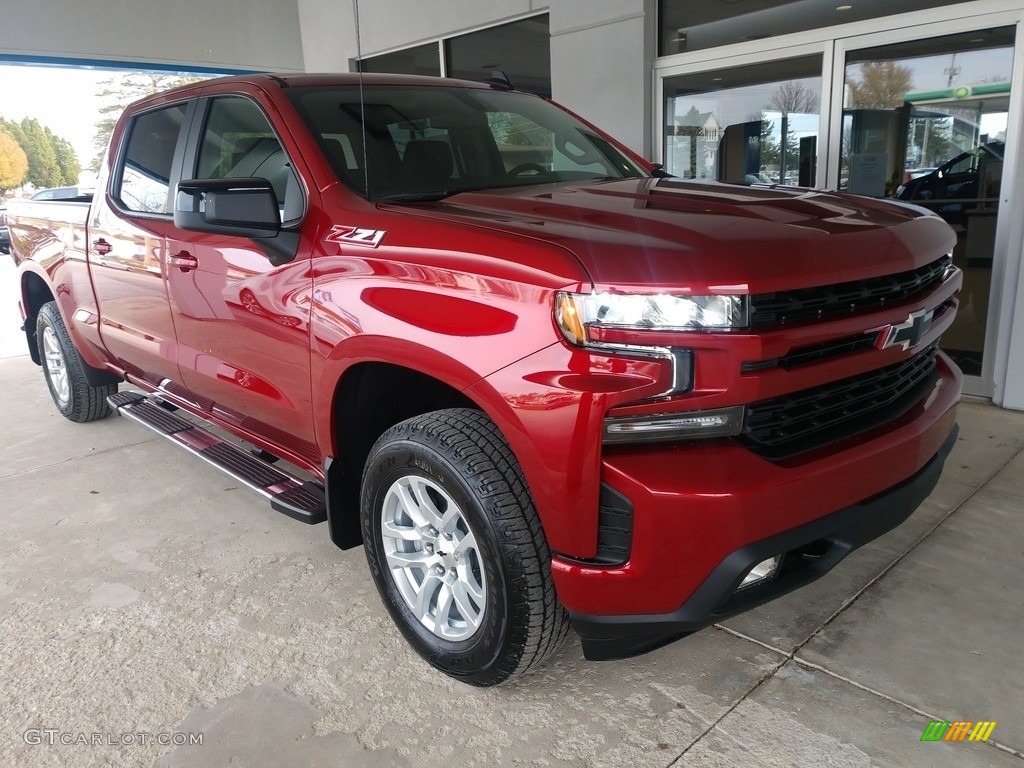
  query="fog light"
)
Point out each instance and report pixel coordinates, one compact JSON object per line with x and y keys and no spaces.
{"x":762,"y":571}
{"x":721,"y":422}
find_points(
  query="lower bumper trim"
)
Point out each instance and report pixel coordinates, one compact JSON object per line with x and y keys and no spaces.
{"x":809,"y":551}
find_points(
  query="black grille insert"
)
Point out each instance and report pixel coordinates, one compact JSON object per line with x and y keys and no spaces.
{"x":614,"y":527}
{"x":802,"y":421}
{"x":843,"y":298}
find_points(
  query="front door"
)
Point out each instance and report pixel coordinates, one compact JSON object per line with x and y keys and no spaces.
{"x":243,"y":323}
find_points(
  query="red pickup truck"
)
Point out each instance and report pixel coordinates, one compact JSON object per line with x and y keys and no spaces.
{"x":543,"y":384}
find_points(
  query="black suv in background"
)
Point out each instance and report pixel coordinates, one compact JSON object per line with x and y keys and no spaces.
{"x":968,"y":181}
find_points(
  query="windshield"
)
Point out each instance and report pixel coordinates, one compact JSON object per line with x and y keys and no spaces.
{"x":428,"y":142}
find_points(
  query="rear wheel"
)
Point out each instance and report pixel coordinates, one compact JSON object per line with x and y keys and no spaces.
{"x":74,"y":397}
{"x":456,"y":549}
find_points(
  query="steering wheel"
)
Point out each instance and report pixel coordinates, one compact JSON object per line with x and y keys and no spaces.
{"x":526,"y":167}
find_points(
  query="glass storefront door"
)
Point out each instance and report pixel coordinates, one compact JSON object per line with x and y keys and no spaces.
{"x":918,"y":107}
{"x":925,"y":121}
{"x":751,"y":123}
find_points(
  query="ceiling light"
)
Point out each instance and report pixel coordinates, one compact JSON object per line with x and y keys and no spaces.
{"x":844,"y":7}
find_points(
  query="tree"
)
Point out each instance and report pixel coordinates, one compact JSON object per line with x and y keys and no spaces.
{"x":13,"y":162}
{"x":37,"y":143}
{"x":118,"y":91}
{"x":67,"y":160}
{"x":770,"y":150}
{"x":794,"y":97}
{"x":791,"y":98}
{"x":882,"y":85}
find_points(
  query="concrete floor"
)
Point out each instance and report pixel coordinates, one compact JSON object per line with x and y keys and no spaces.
{"x":143,"y":592}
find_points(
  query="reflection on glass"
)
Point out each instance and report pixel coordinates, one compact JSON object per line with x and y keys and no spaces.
{"x":686,"y":25}
{"x":419,"y":60}
{"x":925,"y":121}
{"x":740,"y":125}
{"x":521,"y":49}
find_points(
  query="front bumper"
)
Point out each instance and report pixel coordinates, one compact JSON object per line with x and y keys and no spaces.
{"x":704,"y":514}
{"x":809,"y":550}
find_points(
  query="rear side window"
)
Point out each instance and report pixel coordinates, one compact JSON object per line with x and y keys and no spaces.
{"x":143,"y":179}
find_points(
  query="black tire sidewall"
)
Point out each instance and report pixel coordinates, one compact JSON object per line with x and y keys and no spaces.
{"x":484,"y":655}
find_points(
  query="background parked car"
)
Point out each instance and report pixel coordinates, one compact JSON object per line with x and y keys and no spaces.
{"x":57,"y":193}
{"x":5,"y":236}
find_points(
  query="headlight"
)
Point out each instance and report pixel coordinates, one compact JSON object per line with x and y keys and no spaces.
{"x":577,"y":313}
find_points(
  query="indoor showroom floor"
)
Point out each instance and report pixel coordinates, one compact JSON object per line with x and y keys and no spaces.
{"x":147,"y":600}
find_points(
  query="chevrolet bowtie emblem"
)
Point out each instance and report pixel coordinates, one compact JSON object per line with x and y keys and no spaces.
{"x":908,"y":333}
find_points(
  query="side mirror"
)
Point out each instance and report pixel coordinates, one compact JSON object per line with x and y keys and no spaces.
{"x":246,"y":207}
{"x":658,"y":171}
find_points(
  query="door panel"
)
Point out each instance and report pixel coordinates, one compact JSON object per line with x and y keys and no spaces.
{"x":128,"y":241}
{"x":243,"y":324}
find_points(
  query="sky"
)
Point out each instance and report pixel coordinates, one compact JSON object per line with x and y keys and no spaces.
{"x":62,"y":99}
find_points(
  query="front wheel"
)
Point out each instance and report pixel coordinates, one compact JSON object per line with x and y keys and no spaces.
{"x":74,"y":397}
{"x":456,"y":549}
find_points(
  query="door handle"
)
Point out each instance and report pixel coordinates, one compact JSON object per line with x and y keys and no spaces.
{"x":184,"y":261}
{"x":102,"y":247}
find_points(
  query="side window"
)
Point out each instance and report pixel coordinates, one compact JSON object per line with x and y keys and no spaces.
{"x":238,"y":142}
{"x":967,"y":165}
{"x":143,"y":180}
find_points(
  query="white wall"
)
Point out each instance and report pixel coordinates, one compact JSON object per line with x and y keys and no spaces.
{"x":222,"y":34}
{"x":602,"y":55}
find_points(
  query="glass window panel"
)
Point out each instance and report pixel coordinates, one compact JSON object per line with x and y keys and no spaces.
{"x":144,"y":180}
{"x":755,"y":124}
{"x":238,"y":142}
{"x":925,"y":121}
{"x":420,"y":60}
{"x":521,"y":49}
{"x":687,"y":25}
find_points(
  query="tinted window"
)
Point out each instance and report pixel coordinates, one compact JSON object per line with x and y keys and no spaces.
{"x":143,"y":181}
{"x":238,"y":142}
{"x":421,"y":60}
{"x":522,"y":50}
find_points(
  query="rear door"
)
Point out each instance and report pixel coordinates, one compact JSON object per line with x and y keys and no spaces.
{"x":242,"y":323}
{"x":128,"y":244}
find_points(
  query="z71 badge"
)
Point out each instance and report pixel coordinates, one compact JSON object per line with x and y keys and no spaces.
{"x":355,"y":236}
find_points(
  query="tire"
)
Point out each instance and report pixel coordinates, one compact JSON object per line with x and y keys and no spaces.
{"x":442,"y":492}
{"x":64,"y":370}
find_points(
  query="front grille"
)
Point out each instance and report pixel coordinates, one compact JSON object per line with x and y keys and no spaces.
{"x":802,"y":421}
{"x":815,"y":353}
{"x":843,"y":298}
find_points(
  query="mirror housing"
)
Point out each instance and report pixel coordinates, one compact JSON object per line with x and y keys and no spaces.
{"x":246,"y":207}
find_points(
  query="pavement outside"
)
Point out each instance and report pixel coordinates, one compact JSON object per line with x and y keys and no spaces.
{"x":144,"y":593}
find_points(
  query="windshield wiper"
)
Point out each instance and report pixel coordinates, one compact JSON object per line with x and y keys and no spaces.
{"x":418,"y":197}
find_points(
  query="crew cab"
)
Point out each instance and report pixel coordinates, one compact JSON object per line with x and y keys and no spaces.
{"x":542,"y":383}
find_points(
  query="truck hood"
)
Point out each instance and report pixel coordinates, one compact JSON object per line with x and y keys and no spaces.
{"x":708,"y":236}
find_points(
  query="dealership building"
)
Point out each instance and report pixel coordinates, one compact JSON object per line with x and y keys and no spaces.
{"x":863,"y":95}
